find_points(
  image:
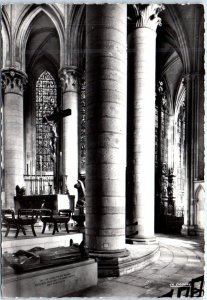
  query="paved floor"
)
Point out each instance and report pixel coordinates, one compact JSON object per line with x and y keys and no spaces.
{"x":181,"y":259}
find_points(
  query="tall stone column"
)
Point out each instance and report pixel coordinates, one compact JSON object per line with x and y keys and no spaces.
{"x":12,"y":82}
{"x":188,"y":135}
{"x":105,"y":129}
{"x":188,"y":227}
{"x":69,"y":78}
{"x":142,"y":45}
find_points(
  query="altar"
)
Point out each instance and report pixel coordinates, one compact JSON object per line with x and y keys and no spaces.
{"x":53,"y":202}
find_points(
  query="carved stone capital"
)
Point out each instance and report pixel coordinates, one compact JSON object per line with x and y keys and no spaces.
{"x":69,"y":79}
{"x":13,"y":81}
{"x":147,"y":15}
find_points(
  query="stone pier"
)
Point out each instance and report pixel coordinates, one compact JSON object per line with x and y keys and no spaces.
{"x":13,"y":82}
{"x":106,"y":63}
{"x":142,"y":43}
{"x":69,"y":78}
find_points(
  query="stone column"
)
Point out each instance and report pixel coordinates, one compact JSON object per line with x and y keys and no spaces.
{"x":69,"y":78}
{"x":142,"y":43}
{"x":12,"y":83}
{"x":188,"y":227}
{"x":198,"y":182}
{"x":188,"y":132}
{"x":106,"y":63}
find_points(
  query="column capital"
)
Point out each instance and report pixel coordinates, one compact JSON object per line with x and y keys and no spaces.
{"x":13,"y":80}
{"x":147,"y":15}
{"x":70,"y":78}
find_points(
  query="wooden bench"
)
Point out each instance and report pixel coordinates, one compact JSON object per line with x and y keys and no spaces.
{"x":47,"y":217}
{"x":25,"y":217}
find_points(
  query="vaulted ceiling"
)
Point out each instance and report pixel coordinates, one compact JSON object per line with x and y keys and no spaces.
{"x":43,"y":47}
{"x":179,"y":48}
{"x":179,"y":45}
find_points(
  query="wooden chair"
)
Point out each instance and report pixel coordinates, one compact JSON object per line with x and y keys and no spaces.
{"x":65,"y":213}
{"x":197,"y":285}
{"x":47,"y":216}
{"x":10,"y":220}
{"x":28,"y":217}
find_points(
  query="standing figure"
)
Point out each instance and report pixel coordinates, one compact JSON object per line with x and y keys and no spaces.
{"x":81,"y":195}
{"x":53,"y":140}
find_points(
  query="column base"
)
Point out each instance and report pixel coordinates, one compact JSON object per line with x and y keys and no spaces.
{"x":141,"y":240}
{"x":108,"y":254}
{"x":189,"y":230}
{"x":131,"y":229}
{"x":200,"y":232}
{"x":110,"y":263}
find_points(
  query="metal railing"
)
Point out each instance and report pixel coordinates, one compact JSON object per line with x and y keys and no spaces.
{"x":39,"y":185}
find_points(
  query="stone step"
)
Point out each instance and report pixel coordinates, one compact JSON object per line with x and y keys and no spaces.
{"x":140,"y":256}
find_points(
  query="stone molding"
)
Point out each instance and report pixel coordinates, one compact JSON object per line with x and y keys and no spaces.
{"x":147,"y":16}
{"x":186,"y":79}
{"x":13,"y":81}
{"x":190,"y":77}
{"x":70,"y":79}
{"x":83,"y":126}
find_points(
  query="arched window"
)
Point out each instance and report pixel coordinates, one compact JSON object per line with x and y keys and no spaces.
{"x":179,"y":156}
{"x":179,"y":152}
{"x":46,"y":102}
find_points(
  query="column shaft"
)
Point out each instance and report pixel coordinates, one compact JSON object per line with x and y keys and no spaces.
{"x":105,"y":127}
{"x":13,"y":133}
{"x":69,"y":80}
{"x":142,"y":42}
{"x":190,"y":150}
{"x":144,"y":128}
{"x":187,"y":194}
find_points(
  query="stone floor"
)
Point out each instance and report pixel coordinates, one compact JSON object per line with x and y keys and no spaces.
{"x":181,"y":259}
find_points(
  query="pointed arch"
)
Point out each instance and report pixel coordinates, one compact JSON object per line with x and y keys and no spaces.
{"x":24,"y":28}
{"x":181,"y":36}
{"x":6,"y":37}
{"x":200,"y":45}
{"x":38,"y":53}
{"x":198,"y":191}
{"x":76,"y":35}
{"x":199,"y":208}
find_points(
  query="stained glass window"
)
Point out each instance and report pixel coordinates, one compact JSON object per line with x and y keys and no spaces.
{"x":161,"y":124}
{"x":46,"y":102}
{"x":180,"y":138}
{"x":164,"y":137}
